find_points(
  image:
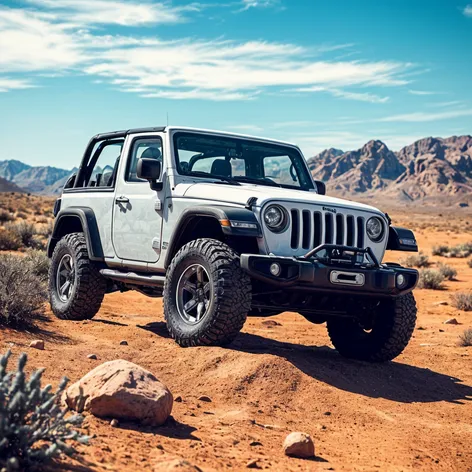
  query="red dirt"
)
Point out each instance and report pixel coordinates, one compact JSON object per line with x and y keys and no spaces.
{"x":412,"y":414}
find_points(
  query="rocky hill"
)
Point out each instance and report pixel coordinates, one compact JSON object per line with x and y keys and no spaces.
{"x":44,"y":180}
{"x":430,"y":167}
{"x":7,"y":186}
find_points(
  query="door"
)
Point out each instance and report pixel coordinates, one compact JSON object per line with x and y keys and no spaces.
{"x":137,"y":220}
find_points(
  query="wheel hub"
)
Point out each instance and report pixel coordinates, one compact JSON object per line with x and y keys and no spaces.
{"x":65,"y":277}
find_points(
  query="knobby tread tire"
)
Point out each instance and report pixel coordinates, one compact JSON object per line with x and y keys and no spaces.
{"x":231,"y":288}
{"x":89,"y":288}
{"x":395,"y":323}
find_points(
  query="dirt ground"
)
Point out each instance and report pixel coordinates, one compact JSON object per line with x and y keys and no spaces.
{"x":282,"y":375}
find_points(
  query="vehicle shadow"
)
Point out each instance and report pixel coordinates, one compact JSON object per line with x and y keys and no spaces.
{"x":156,"y":327}
{"x":393,"y":380}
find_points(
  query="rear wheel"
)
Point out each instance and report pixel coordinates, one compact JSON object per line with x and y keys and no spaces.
{"x":382,"y":340}
{"x":76,"y":288}
{"x":207,"y":295}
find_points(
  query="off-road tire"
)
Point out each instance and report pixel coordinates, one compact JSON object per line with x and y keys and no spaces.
{"x":393,"y":326}
{"x":232,"y":295}
{"x":89,"y":286}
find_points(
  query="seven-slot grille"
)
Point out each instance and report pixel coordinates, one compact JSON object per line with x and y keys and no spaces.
{"x":312,"y":228}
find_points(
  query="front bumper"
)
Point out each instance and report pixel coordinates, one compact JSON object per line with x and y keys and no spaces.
{"x":332,"y":274}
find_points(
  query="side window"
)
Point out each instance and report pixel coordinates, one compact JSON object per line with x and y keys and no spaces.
{"x":101,"y":170}
{"x":149,"y":148}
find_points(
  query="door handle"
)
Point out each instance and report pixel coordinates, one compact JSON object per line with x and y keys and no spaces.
{"x":121,"y":199}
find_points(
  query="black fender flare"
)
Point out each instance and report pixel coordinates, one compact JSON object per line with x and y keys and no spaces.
{"x":234,"y":221}
{"x":401,"y":239}
{"x":88,"y":222}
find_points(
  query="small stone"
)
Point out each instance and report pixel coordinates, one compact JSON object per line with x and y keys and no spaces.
{"x":327,"y":413}
{"x":271,"y":323}
{"x":114,"y":423}
{"x":442,"y":303}
{"x":451,"y":321}
{"x":441,"y":331}
{"x":37,"y":344}
{"x":299,"y":445}
{"x":92,"y":356}
{"x":205,"y":398}
{"x":123,"y":343}
{"x":160,"y":446}
{"x":178,"y":399}
{"x":253,"y":464}
{"x":255,"y":443}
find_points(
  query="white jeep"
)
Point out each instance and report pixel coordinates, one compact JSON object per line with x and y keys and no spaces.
{"x":224,"y":226}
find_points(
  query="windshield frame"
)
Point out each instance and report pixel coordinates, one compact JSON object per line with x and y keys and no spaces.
{"x":305,"y":179}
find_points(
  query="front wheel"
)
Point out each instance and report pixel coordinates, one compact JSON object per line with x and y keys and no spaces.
{"x":76,"y":287}
{"x":207,"y":295}
{"x":388,"y":335}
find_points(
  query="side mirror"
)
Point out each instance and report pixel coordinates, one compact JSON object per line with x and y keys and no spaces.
{"x":149,"y":169}
{"x":320,"y":187}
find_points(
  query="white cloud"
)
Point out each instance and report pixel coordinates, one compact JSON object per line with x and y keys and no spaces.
{"x":246,"y":4}
{"x":421,"y":92}
{"x":419,"y":117}
{"x":468,"y":10}
{"x":7,"y":84}
{"x":360,"y":96}
{"x":126,"y":13}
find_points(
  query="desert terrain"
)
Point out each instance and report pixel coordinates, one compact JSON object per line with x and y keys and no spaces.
{"x":280,"y":375}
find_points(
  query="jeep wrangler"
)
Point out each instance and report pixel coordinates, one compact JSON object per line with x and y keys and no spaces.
{"x":224,"y":226}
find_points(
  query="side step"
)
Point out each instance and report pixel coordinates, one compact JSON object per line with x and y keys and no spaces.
{"x":133,"y":278}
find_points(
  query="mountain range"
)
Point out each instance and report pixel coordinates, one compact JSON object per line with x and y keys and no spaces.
{"x":428,"y":168}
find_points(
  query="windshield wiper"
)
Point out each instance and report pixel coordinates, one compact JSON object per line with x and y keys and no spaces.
{"x":255,"y":180}
{"x":198,"y":173}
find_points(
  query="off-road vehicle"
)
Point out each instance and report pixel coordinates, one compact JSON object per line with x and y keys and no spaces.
{"x":224,"y":226}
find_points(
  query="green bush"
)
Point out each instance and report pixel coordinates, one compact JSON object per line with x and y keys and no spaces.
{"x":416,"y":260}
{"x":22,"y":292}
{"x":462,"y":301}
{"x":465,"y":339}
{"x":33,"y":427}
{"x":9,"y":241}
{"x":430,"y":279}
{"x":448,"y":272}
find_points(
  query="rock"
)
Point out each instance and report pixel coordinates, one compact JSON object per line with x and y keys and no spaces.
{"x":178,"y":464}
{"x":92,"y":356}
{"x":37,"y":344}
{"x":271,"y":323}
{"x":204,"y":398}
{"x":114,"y":423}
{"x":178,"y":399}
{"x":123,"y":343}
{"x":122,"y":390}
{"x":253,"y":464}
{"x":442,"y":303}
{"x":255,"y":443}
{"x":299,"y":445}
{"x":452,"y":321}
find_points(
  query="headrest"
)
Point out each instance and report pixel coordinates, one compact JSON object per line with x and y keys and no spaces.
{"x":221,"y":167}
{"x":151,"y":153}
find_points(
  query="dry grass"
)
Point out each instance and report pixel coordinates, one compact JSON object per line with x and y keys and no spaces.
{"x":416,"y":260}
{"x":448,"y":272}
{"x":431,"y":279}
{"x":462,"y":301}
{"x":465,"y":339}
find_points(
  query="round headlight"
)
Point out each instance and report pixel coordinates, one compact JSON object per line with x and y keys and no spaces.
{"x":375,"y":229}
{"x":275,"y":218}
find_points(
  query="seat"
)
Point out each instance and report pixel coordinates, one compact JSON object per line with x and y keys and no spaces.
{"x":221,"y":167}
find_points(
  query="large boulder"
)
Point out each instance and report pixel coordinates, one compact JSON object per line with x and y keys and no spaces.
{"x":299,"y":445}
{"x":123,"y":390}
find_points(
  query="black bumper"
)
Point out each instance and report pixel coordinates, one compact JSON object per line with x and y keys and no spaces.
{"x":316,"y":276}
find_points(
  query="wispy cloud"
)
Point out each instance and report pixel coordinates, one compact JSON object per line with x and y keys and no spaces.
{"x":421,"y":92}
{"x":37,"y":41}
{"x":126,"y":13}
{"x":247,"y":4}
{"x":468,"y":10}
{"x":424,"y":117}
{"x":7,"y":84}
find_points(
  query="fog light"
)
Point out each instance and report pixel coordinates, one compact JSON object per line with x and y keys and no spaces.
{"x":401,"y":280}
{"x":275,"y":269}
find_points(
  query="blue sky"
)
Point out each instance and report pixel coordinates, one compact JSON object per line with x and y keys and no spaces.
{"x":321,"y":73}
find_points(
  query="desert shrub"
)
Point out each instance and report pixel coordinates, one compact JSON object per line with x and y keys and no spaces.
{"x":6,"y":216}
{"x":22,"y":292}
{"x":465,"y":339}
{"x":430,"y":279}
{"x":462,"y":301}
{"x":27,"y":234}
{"x":9,"y":241}
{"x":34,"y":429}
{"x":39,"y":263}
{"x":469,"y":263}
{"x":21,"y":215}
{"x":440,"y":250}
{"x":46,"y":229}
{"x":448,"y":272}
{"x":416,"y":260}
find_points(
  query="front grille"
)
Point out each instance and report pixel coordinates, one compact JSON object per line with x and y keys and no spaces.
{"x":312,"y":228}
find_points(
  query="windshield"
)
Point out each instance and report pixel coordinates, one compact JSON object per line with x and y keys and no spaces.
{"x":240,"y":160}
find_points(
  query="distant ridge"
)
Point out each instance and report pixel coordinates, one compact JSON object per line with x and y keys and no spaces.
{"x":7,"y":186}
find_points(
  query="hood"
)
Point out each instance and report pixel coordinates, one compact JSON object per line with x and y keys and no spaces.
{"x":241,"y":194}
